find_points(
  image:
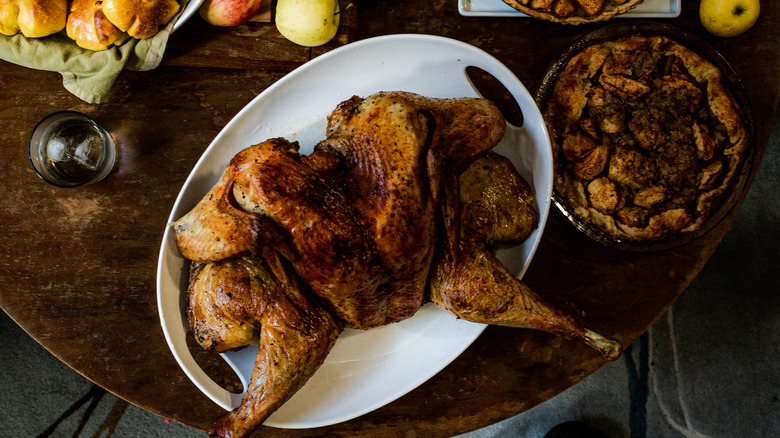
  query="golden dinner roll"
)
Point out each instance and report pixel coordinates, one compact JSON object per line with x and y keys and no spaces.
{"x":34,"y":18}
{"x":90,"y":28}
{"x":140,"y":18}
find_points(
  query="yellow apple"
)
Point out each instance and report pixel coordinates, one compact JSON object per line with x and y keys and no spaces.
{"x":728,"y":18}
{"x":307,"y":22}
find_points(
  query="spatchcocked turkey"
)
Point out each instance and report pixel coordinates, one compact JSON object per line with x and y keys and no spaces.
{"x":401,"y":202}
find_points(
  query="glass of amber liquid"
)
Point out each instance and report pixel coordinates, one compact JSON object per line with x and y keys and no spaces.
{"x":69,"y":149}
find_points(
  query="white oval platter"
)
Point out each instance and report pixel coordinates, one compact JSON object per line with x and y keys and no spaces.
{"x":366,"y":369}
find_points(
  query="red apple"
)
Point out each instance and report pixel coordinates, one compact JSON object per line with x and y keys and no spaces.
{"x":228,"y":12}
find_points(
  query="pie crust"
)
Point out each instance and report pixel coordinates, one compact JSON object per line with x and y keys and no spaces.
{"x":646,"y":137}
{"x":573,"y":11}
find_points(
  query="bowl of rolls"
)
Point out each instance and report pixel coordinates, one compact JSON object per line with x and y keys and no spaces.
{"x":92,"y":24}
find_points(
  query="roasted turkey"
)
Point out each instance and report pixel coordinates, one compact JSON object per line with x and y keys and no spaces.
{"x":257,"y":300}
{"x":401,"y":152}
{"x":401,"y":202}
{"x":497,"y":208}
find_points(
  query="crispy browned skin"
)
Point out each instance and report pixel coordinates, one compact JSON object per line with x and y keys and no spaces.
{"x":355,"y":219}
{"x":217,"y":228}
{"x":362,"y":239}
{"x":358,"y":221}
{"x":476,"y":286}
{"x":332,"y":253}
{"x":257,"y":301}
{"x":403,"y":152}
{"x":497,"y":204}
{"x":222,"y":304}
{"x":480,"y":289}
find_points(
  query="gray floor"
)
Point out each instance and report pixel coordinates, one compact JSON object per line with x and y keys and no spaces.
{"x":709,"y":368}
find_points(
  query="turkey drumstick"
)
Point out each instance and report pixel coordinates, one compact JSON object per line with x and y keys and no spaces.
{"x":497,"y":207}
{"x":248,"y":300}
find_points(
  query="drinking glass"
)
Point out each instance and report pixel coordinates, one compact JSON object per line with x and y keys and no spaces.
{"x":69,"y":149}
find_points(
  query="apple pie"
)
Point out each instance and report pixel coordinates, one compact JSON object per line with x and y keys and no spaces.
{"x":573,"y":11}
{"x":646,"y":137}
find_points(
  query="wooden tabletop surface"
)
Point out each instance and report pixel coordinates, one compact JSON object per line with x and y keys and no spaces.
{"x":80,"y":264}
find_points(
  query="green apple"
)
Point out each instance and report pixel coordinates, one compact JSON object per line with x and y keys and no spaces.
{"x":307,"y":22}
{"x":728,"y":18}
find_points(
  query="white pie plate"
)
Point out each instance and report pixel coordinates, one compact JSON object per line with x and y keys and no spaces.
{"x":366,"y":369}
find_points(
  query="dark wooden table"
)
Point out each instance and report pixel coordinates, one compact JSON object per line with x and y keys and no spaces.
{"x":78,"y":269}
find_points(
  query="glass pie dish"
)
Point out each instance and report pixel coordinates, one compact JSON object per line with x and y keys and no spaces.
{"x":592,"y":193}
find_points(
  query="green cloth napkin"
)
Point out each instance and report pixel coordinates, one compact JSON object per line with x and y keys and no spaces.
{"x":87,"y":74}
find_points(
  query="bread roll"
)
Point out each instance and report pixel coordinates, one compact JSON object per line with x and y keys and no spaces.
{"x":140,"y":18}
{"x":90,"y":28}
{"x":34,"y":18}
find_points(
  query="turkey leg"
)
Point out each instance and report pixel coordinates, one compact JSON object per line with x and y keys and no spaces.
{"x":497,"y":206}
{"x":479,"y":288}
{"x":233,"y":299}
